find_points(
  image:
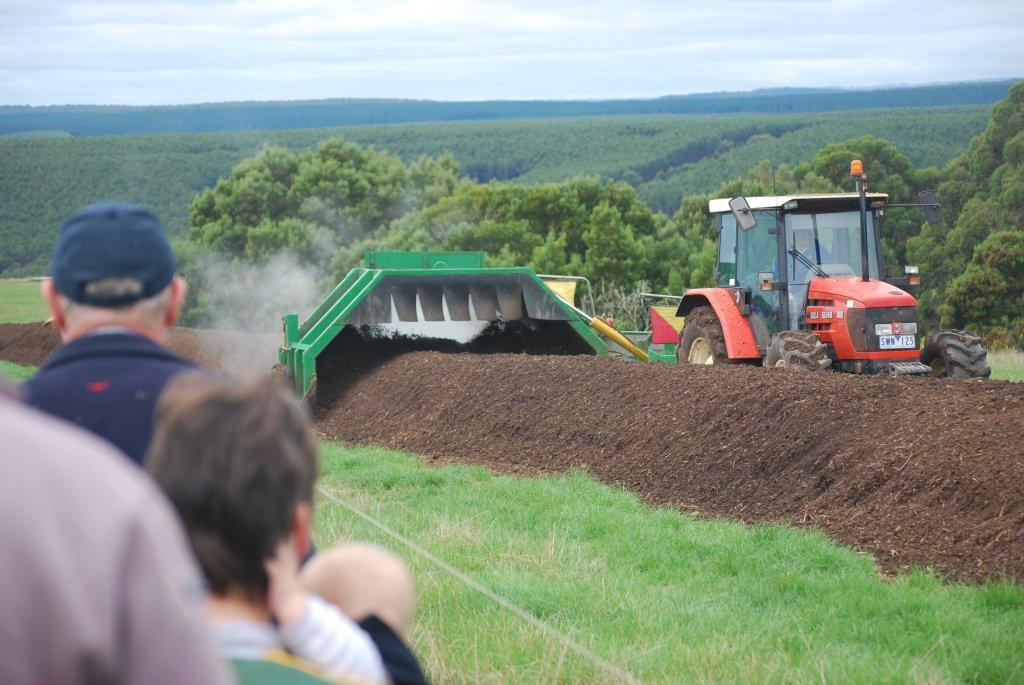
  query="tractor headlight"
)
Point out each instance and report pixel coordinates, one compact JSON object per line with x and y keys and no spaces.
{"x":908,"y":328}
{"x":883,"y":329}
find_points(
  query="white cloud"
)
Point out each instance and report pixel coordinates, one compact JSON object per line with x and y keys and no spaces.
{"x":166,"y":52}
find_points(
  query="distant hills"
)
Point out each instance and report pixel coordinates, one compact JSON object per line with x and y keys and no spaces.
{"x":88,"y":120}
{"x":54,"y":160}
{"x":666,"y":158}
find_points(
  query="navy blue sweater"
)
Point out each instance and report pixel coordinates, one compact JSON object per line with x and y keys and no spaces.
{"x":107,"y":383}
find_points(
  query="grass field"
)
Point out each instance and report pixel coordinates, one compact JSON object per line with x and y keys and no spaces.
{"x":661,"y":595}
{"x":15,"y":372}
{"x":666,"y":597}
{"x":20,"y":301}
{"x":1007,"y":365}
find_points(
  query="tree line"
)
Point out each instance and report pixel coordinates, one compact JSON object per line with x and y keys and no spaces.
{"x":331,"y":204}
{"x":43,"y":180}
{"x":246,"y":116}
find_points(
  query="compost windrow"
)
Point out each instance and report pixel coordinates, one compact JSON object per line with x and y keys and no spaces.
{"x":31,"y":344}
{"x":913,"y":470}
{"x":358,"y":350}
{"x":916,"y":471}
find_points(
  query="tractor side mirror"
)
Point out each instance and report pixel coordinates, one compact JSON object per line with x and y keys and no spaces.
{"x":741,"y":210}
{"x":932,"y":208}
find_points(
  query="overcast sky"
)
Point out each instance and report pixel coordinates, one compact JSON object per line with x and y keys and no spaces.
{"x":178,"y":52}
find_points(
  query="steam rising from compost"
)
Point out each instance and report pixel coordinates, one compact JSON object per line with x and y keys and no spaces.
{"x":253,"y":298}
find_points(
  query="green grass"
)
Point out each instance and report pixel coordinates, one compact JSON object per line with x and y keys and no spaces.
{"x":1007,"y":365}
{"x":667,"y":597}
{"x":15,"y":372}
{"x":20,"y":301}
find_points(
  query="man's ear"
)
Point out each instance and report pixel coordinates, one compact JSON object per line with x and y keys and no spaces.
{"x":300,"y":529}
{"x":179,"y":289}
{"x":52,"y":299}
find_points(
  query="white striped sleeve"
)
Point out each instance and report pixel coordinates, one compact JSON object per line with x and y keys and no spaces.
{"x":331,"y":640}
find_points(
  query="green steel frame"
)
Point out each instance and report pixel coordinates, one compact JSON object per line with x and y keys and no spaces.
{"x":664,"y":353}
{"x":304,"y":342}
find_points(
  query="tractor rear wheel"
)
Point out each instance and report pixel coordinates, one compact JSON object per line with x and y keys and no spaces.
{"x":956,"y":354}
{"x":797,"y":350}
{"x":702,"y":340}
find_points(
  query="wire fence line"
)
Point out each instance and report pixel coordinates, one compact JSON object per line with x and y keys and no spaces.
{"x":585,"y":652}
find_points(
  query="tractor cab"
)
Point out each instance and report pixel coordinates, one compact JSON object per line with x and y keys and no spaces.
{"x":799,"y":284}
{"x":794,"y":240}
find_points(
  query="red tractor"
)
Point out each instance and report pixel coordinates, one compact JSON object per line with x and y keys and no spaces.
{"x":799,"y":285}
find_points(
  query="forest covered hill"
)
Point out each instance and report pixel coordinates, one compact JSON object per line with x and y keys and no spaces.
{"x":314,"y":214}
{"x":248,"y":116}
{"x":44,"y":178}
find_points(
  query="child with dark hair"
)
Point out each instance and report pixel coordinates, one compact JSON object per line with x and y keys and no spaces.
{"x":239,"y":462}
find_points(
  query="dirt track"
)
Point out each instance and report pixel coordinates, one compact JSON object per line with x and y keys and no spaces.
{"x":916,"y":471}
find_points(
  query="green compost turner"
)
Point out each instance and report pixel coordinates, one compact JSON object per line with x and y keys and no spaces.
{"x":436,"y":296}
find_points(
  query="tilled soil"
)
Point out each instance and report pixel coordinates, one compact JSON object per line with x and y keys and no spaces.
{"x":32,"y":344}
{"x":914,"y":470}
{"x":29,"y":344}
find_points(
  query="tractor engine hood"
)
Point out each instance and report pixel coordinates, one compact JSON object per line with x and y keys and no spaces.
{"x":866,"y":294}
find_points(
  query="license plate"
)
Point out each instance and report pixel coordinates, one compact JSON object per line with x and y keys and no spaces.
{"x":897,"y":342}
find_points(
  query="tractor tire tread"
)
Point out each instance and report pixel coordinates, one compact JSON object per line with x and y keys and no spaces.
{"x":962,"y":353}
{"x":799,"y":351}
{"x":702,"y":322}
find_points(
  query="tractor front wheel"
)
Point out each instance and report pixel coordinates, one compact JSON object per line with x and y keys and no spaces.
{"x":797,"y":350}
{"x":702,"y":340}
{"x":956,"y":354}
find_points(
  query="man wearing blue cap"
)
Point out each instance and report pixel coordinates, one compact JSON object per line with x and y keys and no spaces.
{"x":113,"y":294}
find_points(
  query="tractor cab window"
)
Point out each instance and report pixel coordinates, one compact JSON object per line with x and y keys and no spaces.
{"x":827,"y":242}
{"x":726,"y":249}
{"x":757,"y":252}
